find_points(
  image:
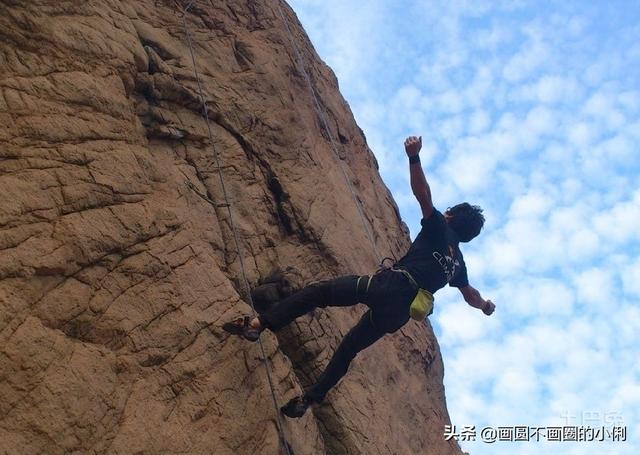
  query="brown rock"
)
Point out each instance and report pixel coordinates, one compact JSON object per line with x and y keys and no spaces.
{"x":115,"y":274}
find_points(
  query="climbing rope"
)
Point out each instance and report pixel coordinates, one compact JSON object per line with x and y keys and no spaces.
{"x":204,"y":196}
{"x":321,"y":114}
{"x":245,"y":281}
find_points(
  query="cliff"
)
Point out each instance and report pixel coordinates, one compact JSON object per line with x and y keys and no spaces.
{"x":117,"y":255}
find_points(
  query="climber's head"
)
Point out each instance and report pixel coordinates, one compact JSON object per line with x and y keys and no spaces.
{"x":465,"y":219}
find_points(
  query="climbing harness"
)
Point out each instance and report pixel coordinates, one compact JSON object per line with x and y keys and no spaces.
{"x":421,"y":305}
{"x":227,"y":204}
{"x":362,"y":287}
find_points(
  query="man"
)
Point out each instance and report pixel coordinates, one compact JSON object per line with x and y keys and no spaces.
{"x":433,"y":260}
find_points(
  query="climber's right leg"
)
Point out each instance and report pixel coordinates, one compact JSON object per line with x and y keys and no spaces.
{"x":336,"y":292}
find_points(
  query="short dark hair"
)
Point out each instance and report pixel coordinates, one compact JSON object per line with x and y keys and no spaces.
{"x":466,"y":220}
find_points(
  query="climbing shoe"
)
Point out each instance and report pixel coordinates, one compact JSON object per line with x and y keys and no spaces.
{"x":242,"y":328}
{"x":296,"y":407}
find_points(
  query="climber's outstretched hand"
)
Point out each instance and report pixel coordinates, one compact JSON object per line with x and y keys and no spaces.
{"x":489,"y":308}
{"x":412,"y":145}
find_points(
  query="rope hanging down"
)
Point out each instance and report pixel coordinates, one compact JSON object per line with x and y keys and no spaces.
{"x":245,"y":281}
{"x":299,"y":63}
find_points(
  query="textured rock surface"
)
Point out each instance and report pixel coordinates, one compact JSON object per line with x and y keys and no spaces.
{"x":115,"y":274}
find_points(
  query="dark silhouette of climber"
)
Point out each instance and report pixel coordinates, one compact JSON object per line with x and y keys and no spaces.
{"x":393,"y":295}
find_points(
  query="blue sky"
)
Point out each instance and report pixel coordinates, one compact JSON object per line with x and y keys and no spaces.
{"x":532,"y":110}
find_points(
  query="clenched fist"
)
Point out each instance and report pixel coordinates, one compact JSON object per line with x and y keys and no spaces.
{"x":489,"y":308}
{"x":412,"y":145}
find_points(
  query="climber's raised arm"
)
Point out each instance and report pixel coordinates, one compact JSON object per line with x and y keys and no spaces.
{"x":419,"y":185}
{"x":472,"y":297}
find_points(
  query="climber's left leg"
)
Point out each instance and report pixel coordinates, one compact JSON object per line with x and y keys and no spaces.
{"x":361,"y":336}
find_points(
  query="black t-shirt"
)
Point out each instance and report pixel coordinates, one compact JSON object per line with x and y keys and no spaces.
{"x":434,"y":258}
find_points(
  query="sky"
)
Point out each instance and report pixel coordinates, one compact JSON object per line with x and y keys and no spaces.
{"x":530,"y":109}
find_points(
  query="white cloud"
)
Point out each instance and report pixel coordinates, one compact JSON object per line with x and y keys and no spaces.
{"x":629,"y":100}
{"x":618,"y":150}
{"x":491,"y":39}
{"x":450,"y":102}
{"x":540,"y":121}
{"x":594,"y":287}
{"x":524,"y":63}
{"x":626,"y":320}
{"x":530,"y":205}
{"x":549,"y":89}
{"x":480,"y":88}
{"x":534,"y":297}
{"x":583,"y":244}
{"x":461,"y":323}
{"x":631,"y":281}
{"x":518,"y":387}
{"x":479,"y":121}
{"x":581,"y":134}
{"x":620,"y":223}
{"x":468,"y":171}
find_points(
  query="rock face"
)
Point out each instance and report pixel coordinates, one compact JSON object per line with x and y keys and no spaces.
{"x":117,"y":255}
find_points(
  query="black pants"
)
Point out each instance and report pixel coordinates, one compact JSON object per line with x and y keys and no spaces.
{"x":388,"y":298}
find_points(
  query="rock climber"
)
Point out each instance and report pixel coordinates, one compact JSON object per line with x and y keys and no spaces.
{"x":392,"y":295}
